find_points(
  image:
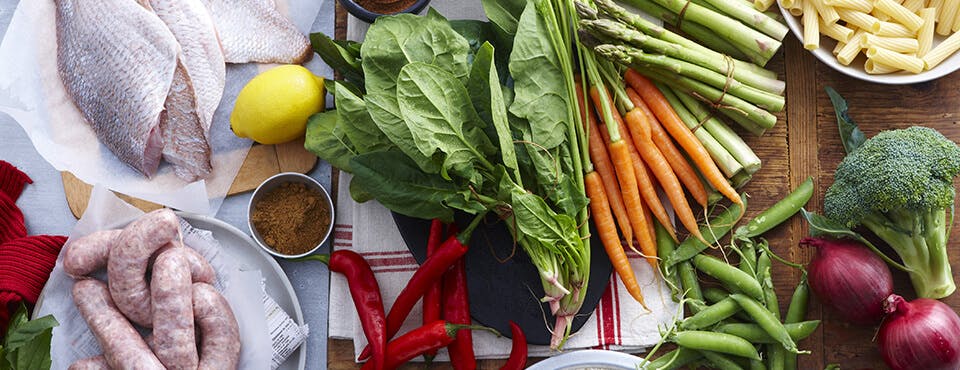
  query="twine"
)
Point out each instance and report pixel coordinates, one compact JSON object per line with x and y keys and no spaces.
{"x":682,"y":14}
{"x":718,"y":103}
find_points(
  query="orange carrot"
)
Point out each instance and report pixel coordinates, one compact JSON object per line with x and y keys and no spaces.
{"x":684,"y":172}
{"x":620,"y":155}
{"x":661,"y":107}
{"x":604,"y":168}
{"x":600,"y":209}
{"x":640,"y":131}
{"x":649,"y":193}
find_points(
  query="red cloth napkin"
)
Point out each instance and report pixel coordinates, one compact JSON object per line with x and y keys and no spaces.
{"x":25,"y":261}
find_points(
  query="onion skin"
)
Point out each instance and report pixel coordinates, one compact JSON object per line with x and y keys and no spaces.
{"x":850,"y":278}
{"x":922,"y":334}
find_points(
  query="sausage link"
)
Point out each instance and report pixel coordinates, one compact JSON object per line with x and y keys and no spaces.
{"x":122,"y":345}
{"x":219,"y":332}
{"x":174,"y":341}
{"x":97,"y":362}
{"x":200,"y":269}
{"x":127,"y":264}
{"x":89,"y":253}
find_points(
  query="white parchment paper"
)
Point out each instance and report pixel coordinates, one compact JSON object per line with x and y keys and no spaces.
{"x":32,"y":94}
{"x":72,"y":340}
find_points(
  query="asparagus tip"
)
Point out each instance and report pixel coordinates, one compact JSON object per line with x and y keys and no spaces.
{"x":585,"y":11}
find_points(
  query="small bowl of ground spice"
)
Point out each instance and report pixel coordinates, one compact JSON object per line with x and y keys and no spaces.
{"x":369,"y":10}
{"x":290,"y":215}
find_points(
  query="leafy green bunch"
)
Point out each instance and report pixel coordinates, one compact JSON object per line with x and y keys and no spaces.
{"x":26,"y":345}
{"x":432,"y":118}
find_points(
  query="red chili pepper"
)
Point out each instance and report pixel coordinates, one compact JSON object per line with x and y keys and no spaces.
{"x":431,"y":299}
{"x":518,"y":354}
{"x":456,"y":310}
{"x":431,"y":336}
{"x":366,"y":297}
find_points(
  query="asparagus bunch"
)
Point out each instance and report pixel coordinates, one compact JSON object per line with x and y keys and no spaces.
{"x":741,"y":90}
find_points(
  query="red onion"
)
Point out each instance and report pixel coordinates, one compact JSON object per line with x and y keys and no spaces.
{"x":923,"y":334}
{"x":850,"y":278}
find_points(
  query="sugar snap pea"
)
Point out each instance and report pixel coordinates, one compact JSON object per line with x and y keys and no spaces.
{"x":711,"y":314}
{"x":719,"y":361}
{"x":666,"y":246}
{"x":718,"y":227}
{"x":766,"y":320}
{"x":795,"y":313}
{"x":691,"y":286}
{"x":779,"y":212}
{"x":757,"y":365}
{"x":729,"y":276}
{"x":748,"y":257}
{"x":753,"y":333}
{"x":674,"y":359}
{"x":717,"y":342}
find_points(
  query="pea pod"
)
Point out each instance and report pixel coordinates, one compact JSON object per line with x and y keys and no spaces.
{"x":795,"y":313}
{"x":748,"y":257}
{"x":766,"y":320}
{"x":717,"y":342}
{"x":674,"y":359}
{"x":757,"y":365}
{"x":779,"y":212}
{"x":714,"y":295}
{"x":711,"y":315}
{"x":766,"y":281}
{"x":718,"y":227}
{"x":728,"y":275}
{"x":776,"y":355}
{"x":719,"y":361}
{"x":691,"y":287}
{"x":753,"y":333}
{"x":665,"y":246}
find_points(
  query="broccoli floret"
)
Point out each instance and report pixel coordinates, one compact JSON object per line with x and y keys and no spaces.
{"x":899,"y":185}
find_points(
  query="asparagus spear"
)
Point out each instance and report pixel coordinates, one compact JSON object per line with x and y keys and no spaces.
{"x":740,"y":35}
{"x":720,"y":131}
{"x":726,"y":162}
{"x":712,"y":60}
{"x":640,"y":60}
{"x":751,"y":17}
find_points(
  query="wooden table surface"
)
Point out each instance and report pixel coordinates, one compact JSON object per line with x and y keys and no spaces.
{"x":805,"y":143}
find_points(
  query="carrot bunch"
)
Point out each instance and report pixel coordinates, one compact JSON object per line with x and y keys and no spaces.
{"x":639,"y":147}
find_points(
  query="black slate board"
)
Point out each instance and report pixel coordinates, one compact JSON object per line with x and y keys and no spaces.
{"x":502,"y":288}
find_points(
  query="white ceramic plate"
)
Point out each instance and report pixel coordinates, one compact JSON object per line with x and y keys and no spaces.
{"x":855,"y":69}
{"x":589,"y":359}
{"x":248,"y":255}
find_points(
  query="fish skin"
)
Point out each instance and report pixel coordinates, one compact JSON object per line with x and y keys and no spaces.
{"x":254,"y":31}
{"x":122,"y":87}
{"x":185,"y":143}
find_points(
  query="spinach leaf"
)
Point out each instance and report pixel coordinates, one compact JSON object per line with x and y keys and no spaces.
{"x":396,"y":182}
{"x":27,"y":342}
{"x":436,"y":107}
{"x":488,"y":100}
{"x":343,"y":57}
{"x":535,"y":219}
{"x":355,"y":121}
{"x":394,"y":41}
{"x":850,"y":134}
{"x":504,"y":14}
{"x":385,"y":112}
{"x":541,"y":94}
{"x":321,"y":141}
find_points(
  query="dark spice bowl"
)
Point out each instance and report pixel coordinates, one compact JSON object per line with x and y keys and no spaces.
{"x":302,"y":185}
{"x":357,"y":9}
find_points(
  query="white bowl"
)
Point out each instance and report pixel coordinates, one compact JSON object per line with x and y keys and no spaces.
{"x":855,"y":69}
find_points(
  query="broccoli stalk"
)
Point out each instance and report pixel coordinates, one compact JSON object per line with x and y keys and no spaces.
{"x":899,"y":185}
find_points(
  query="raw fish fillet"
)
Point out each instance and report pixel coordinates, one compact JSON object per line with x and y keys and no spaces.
{"x":254,"y":31}
{"x":116,"y":60}
{"x":185,"y":143}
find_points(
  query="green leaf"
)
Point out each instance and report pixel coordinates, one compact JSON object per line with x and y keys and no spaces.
{"x":355,"y":121}
{"x":505,"y":14}
{"x":27,"y":343}
{"x":536,"y":220}
{"x":436,"y":107}
{"x":541,"y":94}
{"x":385,"y":112}
{"x":850,"y":134}
{"x":358,"y":193}
{"x":393,"y":42}
{"x":487,"y":97}
{"x":396,"y":182}
{"x":344,"y":58}
{"x":321,"y":141}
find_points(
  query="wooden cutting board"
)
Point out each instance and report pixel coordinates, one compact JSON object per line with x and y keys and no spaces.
{"x":262,"y":162}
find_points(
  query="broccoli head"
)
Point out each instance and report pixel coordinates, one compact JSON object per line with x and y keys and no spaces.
{"x":899,"y":185}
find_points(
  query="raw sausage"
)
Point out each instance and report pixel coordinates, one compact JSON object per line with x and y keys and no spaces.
{"x":200,"y":269}
{"x":89,"y":253}
{"x":127,"y":264}
{"x":122,"y":345}
{"x":174,"y":341}
{"x":219,"y":332}
{"x":90,"y":363}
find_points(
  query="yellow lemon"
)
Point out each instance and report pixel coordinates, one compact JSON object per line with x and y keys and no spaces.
{"x":274,"y":106}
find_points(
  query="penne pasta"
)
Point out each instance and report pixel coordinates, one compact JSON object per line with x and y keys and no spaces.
{"x":935,"y":4}
{"x":896,"y":60}
{"x":925,"y":34}
{"x":828,"y":13}
{"x":889,"y":29}
{"x":865,"y":6}
{"x":840,"y":45}
{"x":836,"y":31}
{"x":914,"y":5}
{"x":894,"y":44}
{"x":811,"y":26}
{"x":859,"y":19}
{"x":849,"y":52}
{"x":762,"y":5}
{"x":872,"y":67}
{"x":940,"y":52}
{"x":903,"y":15}
{"x":946,"y":16}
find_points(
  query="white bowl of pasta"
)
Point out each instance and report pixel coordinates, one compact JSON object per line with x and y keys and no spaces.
{"x":886,"y":41}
